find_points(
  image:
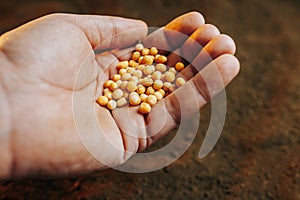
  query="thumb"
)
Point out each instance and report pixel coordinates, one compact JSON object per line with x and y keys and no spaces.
{"x":105,"y":32}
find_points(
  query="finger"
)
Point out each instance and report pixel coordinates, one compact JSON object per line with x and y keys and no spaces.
{"x":219,"y":45}
{"x":192,"y":96}
{"x":174,"y":33}
{"x":105,"y":32}
{"x":193,"y":45}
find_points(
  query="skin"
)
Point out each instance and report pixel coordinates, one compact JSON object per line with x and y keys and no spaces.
{"x":39,"y":65}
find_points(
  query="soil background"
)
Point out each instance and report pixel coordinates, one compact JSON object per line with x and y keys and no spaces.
{"x":257,"y":155}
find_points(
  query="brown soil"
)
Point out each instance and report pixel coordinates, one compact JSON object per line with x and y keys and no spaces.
{"x":257,"y":156}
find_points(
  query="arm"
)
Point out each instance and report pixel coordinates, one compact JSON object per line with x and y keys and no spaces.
{"x":6,"y":157}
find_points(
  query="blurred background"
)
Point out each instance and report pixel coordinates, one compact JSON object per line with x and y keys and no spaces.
{"x":257,"y":156}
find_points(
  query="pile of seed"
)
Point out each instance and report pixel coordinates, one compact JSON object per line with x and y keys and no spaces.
{"x":144,"y":80}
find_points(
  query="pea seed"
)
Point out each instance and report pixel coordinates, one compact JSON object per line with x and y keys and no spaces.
{"x":111,"y":104}
{"x":150,"y":90}
{"x":102,"y":100}
{"x":107,"y":83}
{"x":145,"y":51}
{"x":131,"y":86}
{"x":151,"y":100}
{"x":143,"y":97}
{"x":157,"y":84}
{"x":113,"y":86}
{"x":140,"y":89}
{"x":144,"y":108}
{"x":117,"y":94}
{"x":156,"y":75}
{"x":116,"y":77}
{"x":149,"y":69}
{"x":180,"y":82}
{"x":126,"y":77}
{"x":179,"y":66}
{"x":135,"y":55}
{"x":169,"y":76}
{"x":153,"y":51}
{"x":139,"y":47}
{"x":123,"y":65}
{"x":161,"y":67}
{"x":158,"y":95}
{"x":134,"y":100}
{"x":121,"y":102}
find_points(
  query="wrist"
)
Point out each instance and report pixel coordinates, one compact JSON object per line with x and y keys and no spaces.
{"x":6,"y":158}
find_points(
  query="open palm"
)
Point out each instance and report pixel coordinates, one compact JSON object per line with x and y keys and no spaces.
{"x":52,"y":78}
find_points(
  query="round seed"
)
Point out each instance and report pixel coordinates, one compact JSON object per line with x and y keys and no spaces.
{"x":156,"y":75}
{"x":151,"y":100}
{"x":133,"y":64}
{"x":157,"y":84}
{"x":148,"y":60}
{"x":126,"y":77}
{"x":179,"y":66}
{"x":166,"y":86}
{"x":117,"y":94}
{"x":145,"y":51}
{"x":116,"y":77}
{"x":113,"y":86}
{"x":140,"y":89}
{"x":102,"y":100}
{"x":144,"y":108}
{"x":123,"y":65}
{"x":150,"y":90}
{"x":135,"y":79}
{"x":121,"y":102}
{"x":108,"y":95}
{"x":139,"y":47}
{"x":138,"y":73}
{"x":162,"y":92}
{"x":123,"y":85}
{"x":134,"y":100}
{"x":119,"y":82}
{"x":130,"y":70}
{"x":143,"y":97}
{"x":149,"y":69}
{"x":131,"y":86}
{"x":111,"y":104}
{"x":180,"y":82}
{"x":106,"y":90}
{"x":161,"y":67}
{"x":158,"y":95}
{"x":141,"y":67}
{"x":122,"y":72}
{"x":172,"y":69}
{"x":135,"y":55}
{"x":153,"y":51}
{"x":107,"y":83}
{"x":169,"y":76}
{"x":161,"y":59}
{"x":147,"y":82}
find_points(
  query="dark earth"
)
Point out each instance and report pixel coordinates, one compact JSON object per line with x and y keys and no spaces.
{"x":257,"y":155}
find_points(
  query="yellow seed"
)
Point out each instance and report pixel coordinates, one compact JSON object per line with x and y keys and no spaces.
{"x":121,"y":102}
{"x":134,"y":100}
{"x":140,"y":89}
{"x":143,"y":97}
{"x":123,"y":65}
{"x":135,"y":79}
{"x":133,"y":94}
{"x":107,"y":83}
{"x":144,"y":108}
{"x":158,"y":95}
{"x":111,"y":104}
{"x":150,"y":90}
{"x":125,"y":95}
{"x":148,"y":60}
{"x":139,"y":47}
{"x":163,"y":93}
{"x":180,"y":82}
{"x":157,"y":84}
{"x":138,"y":73}
{"x":135,"y":55}
{"x":141,"y":67}
{"x":156,"y":75}
{"x":108,"y":95}
{"x":113,"y":86}
{"x":169,"y":76}
{"x":179,"y":66}
{"x":145,"y":51}
{"x":106,"y":90}
{"x":151,"y":100}
{"x":102,"y":100}
{"x":149,"y":69}
{"x":161,"y":59}
{"x":119,"y":82}
{"x":130,"y":70}
{"x":133,"y":64}
{"x":172,"y":69}
{"x":166,"y":86}
{"x":160,"y":67}
{"x":123,"y":85}
{"x":117,"y":94}
{"x":122,"y":72}
{"x":153,"y":51}
{"x":147,"y":82}
{"x":140,"y":59}
{"x":126,"y":77}
{"x":116,"y":77}
{"x":131,"y":86}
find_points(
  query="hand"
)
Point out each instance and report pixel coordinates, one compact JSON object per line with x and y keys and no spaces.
{"x":41,"y":64}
